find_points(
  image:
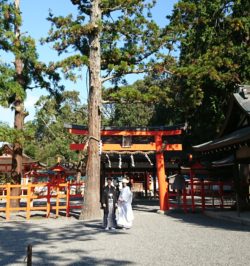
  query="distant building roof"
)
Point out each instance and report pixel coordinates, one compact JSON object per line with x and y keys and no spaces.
{"x":238,"y":115}
{"x":6,"y":160}
{"x":7,"y":152}
{"x":235,"y":138}
{"x":236,"y":129}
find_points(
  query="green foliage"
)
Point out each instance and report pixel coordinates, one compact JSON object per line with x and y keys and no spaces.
{"x":49,"y":139}
{"x":8,"y":85}
{"x":129,"y":114}
{"x":12,"y":135}
{"x":4,"y":179}
{"x":145,"y":91}
{"x":149,"y":102}
{"x":34,"y":73}
{"x":213,"y":37}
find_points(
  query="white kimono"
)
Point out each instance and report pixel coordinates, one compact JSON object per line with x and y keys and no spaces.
{"x":125,"y":213}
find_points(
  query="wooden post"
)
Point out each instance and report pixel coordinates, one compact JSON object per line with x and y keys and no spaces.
{"x":29,"y":255}
{"x":184,"y":199}
{"x":68,"y":200}
{"x":221,"y":194}
{"x":32,"y":189}
{"x":160,"y":165}
{"x":237,"y":185}
{"x":146,"y":184}
{"x":57,"y":199}
{"x":48,"y":201}
{"x":28,"y":201}
{"x":167,"y":194}
{"x":154,"y":183}
{"x":7,"y":211}
{"x":192,"y":190}
{"x":202,"y":195}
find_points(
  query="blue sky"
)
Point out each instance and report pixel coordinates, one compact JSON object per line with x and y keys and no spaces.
{"x":36,"y":25}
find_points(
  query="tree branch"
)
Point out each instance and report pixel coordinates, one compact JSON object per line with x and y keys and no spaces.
{"x":109,"y":10}
{"x":124,"y":73}
{"x":139,"y":71}
{"x":34,"y":87}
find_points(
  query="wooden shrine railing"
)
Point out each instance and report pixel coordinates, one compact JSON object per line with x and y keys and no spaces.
{"x":53,"y":197}
{"x":200,"y":194}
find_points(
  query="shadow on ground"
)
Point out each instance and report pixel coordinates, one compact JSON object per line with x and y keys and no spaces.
{"x":197,"y":218}
{"x":200,"y":219}
{"x":72,"y":234}
{"x":146,"y":205}
{"x":15,"y":237}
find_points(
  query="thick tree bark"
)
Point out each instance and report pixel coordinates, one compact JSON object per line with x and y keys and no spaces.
{"x":91,"y":206}
{"x":17,"y":157}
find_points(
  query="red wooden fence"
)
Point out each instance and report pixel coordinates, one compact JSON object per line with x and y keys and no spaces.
{"x":200,"y":194}
{"x":54,"y":196}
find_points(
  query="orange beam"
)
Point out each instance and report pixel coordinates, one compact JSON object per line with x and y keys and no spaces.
{"x":135,"y":147}
{"x":173,"y":147}
{"x":129,"y":132}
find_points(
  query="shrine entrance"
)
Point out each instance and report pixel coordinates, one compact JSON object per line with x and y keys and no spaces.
{"x":132,"y":151}
{"x":143,"y":183}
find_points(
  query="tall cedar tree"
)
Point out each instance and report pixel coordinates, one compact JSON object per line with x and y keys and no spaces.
{"x":112,"y":38}
{"x":27,"y":73}
{"x":214,"y":42}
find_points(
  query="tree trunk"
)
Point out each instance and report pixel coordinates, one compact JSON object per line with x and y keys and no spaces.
{"x":17,"y":157}
{"x":91,"y":206}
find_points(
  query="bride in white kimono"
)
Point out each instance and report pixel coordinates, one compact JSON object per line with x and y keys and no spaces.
{"x":125,"y":213}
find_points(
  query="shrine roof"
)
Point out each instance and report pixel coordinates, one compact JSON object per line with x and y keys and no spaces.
{"x":238,"y":113}
{"x":7,"y":151}
{"x":157,"y":128}
{"x":236,"y":128}
{"x":235,"y":138}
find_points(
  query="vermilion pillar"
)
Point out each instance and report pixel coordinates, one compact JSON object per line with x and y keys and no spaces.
{"x":160,"y":167}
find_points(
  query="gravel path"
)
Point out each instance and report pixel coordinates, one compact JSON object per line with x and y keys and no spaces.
{"x":177,"y":239}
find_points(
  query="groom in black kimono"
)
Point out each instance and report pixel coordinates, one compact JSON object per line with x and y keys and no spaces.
{"x":109,"y":204}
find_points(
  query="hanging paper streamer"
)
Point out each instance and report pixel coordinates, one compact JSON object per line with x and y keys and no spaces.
{"x":100,"y":147}
{"x":132,"y":160}
{"x":108,"y":160}
{"x":120,"y":161}
{"x":148,"y":159}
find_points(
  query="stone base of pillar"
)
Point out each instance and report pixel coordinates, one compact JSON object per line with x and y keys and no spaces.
{"x":163,"y":212}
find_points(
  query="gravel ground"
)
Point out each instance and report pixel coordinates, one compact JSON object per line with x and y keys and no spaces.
{"x":176,"y":239}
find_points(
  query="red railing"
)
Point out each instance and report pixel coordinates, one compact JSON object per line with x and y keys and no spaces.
{"x":200,"y":194}
{"x":53,"y":197}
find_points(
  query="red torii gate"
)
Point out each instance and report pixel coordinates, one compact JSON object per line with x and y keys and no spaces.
{"x":156,"y":146}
